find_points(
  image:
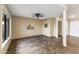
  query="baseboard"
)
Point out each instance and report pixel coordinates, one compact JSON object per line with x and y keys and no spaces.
{"x":25,"y":37}
{"x":73,"y":36}
{"x":49,"y":36}
{"x":34,"y":36}
{"x":61,"y":35}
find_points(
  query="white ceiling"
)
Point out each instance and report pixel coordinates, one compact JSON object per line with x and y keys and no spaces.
{"x":73,"y":9}
{"x":26,"y":10}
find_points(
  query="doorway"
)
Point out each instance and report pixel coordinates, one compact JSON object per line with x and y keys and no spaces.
{"x":59,"y":28}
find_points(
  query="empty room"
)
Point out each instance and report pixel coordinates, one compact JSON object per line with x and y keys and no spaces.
{"x":39,"y":29}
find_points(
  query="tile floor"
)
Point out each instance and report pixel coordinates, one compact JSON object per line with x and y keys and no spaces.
{"x":42,"y":45}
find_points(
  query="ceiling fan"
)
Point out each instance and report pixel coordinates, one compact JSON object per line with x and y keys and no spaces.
{"x":38,"y":15}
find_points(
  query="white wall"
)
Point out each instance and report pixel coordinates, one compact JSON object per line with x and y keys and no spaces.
{"x":48,"y":31}
{"x":74,"y":28}
{"x":67,"y":28}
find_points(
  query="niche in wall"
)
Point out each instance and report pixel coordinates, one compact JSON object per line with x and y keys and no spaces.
{"x":45,"y":25}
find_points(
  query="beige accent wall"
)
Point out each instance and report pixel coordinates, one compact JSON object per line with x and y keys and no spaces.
{"x":19,"y":27}
{"x":5,"y":45}
{"x":52,"y":27}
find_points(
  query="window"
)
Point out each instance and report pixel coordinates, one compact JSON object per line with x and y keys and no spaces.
{"x":5,"y":27}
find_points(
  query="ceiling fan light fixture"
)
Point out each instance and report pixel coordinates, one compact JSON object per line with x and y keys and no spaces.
{"x":37,"y":15}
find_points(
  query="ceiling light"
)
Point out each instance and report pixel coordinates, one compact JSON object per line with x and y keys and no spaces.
{"x":72,"y":16}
